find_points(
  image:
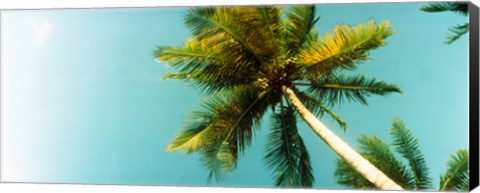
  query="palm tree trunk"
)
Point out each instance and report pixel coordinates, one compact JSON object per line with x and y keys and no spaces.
{"x":359,"y":163}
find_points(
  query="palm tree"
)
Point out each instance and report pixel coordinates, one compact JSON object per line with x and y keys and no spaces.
{"x":252,"y":59}
{"x":456,"y":7}
{"x":413,"y":177}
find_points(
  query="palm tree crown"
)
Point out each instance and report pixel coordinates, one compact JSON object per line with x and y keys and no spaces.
{"x":248,"y":59}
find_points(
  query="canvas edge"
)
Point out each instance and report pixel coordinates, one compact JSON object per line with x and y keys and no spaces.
{"x":474,"y":98}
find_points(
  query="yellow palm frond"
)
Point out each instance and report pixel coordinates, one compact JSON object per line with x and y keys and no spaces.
{"x":345,"y":47}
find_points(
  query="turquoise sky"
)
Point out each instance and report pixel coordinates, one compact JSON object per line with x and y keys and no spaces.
{"x":82,"y":99}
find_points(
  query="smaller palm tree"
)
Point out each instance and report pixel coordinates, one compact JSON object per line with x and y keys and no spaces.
{"x":456,"y":7}
{"x":412,"y":177}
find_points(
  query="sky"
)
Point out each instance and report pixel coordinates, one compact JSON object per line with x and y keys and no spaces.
{"x":83,"y":100}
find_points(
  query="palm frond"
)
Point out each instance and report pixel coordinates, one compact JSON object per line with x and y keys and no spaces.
{"x":219,"y":28}
{"x":319,"y":109}
{"x":234,"y":112}
{"x":191,"y":56}
{"x":222,"y":128}
{"x":335,"y":89}
{"x":218,"y":24}
{"x":286,"y":152}
{"x":344,"y":48}
{"x":456,"y":178}
{"x":379,"y":154}
{"x":457,"y":7}
{"x":240,"y":31}
{"x":195,"y":134}
{"x":458,"y":31}
{"x":220,"y":158}
{"x":202,"y":66}
{"x":407,"y":146}
{"x":299,"y":21}
{"x":270,"y":16}
{"x":347,"y":176}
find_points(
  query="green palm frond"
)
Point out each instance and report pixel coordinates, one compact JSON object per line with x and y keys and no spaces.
{"x":335,"y":117}
{"x":335,"y":89}
{"x":206,"y":81}
{"x":347,"y":176}
{"x":220,"y":158}
{"x":236,"y":112}
{"x":456,"y":178}
{"x":260,"y":27}
{"x":286,"y":152}
{"x":229,"y":113}
{"x":235,"y":30}
{"x":270,"y":17}
{"x":457,"y":7}
{"x":458,"y":31}
{"x":344,"y":48}
{"x":203,"y":66}
{"x":216,"y":25}
{"x":197,"y":133}
{"x":319,"y":109}
{"x":222,"y":128}
{"x":219,"y":28}
{"x":190,"y":57}
{"x":378,"y":153}
{"x":407,"y":146}
{"x":299,"y":21}
{"x":311,"y":39}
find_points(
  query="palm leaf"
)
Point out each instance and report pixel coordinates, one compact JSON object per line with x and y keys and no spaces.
{"x":236,"y":112}
{"x":222,"y":128}
{"x":235,"y":30}
{"x":195,"y":134}
{"x":219,"y":28}
{"x":286,"y":152}
{"x":335,"y":89}
{"x":216,"y":24}
{"x":220,"y":158}
{"x":299,"y":21}
{"x":191,"y":56}
{"x":347,"y":176}
{"x":312,"y":39}
{"x":271,"y":21}
{"x":457,"y":7}
{"x":344,"y":48}
{"x":407,"y":146}
{"x":319,"y":109}
{"x":379,"y":154}
{"x":458,"y":31}
{"x":456,"y":178}
{"x":204,"y":67}
{"x":260,"y":27}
